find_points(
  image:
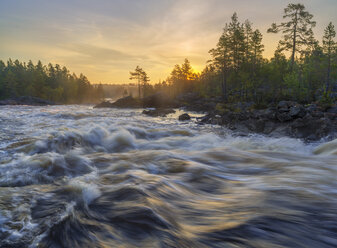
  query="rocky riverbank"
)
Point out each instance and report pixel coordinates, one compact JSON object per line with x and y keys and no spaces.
{"x":26,"y":100}
{"x":287,"y":118}
{"x":157,"y":100}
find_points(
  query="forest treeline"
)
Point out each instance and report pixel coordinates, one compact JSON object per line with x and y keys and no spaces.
{"x":303,"y":69}
{"x":237,"y":70}
{"x":51,"y":82}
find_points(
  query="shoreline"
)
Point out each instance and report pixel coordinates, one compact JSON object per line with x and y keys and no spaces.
{"x":311,"y":122}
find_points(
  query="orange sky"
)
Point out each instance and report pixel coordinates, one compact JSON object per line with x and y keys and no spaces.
{"x":107,"y":39}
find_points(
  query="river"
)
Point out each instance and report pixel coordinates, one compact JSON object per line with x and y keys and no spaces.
{"x":74,"y":176}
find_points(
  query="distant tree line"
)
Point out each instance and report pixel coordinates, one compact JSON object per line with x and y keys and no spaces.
{"x":238,"y":71}
{"x":51,"y":82}
{"x":115,"y":91}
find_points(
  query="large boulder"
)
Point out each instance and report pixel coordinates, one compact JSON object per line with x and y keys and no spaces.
{"x":125,"y":102}
{"x":257,"y":126}
{"x":184,"y":117}
{"x":297,"y":111}
{"x":158,"y":112}
{"x":332,"y":110}
{"x":284,"y":106}
{"x":284,"y":116}
{"x":104,"y":104}
{"x":311,"y":128}
{"x":311,"y":108}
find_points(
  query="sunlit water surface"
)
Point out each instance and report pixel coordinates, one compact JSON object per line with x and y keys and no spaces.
{"x":74,"y":176}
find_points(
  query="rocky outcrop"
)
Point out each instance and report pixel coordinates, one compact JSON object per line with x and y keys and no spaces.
{"x":158,"y":112}
{"x":158,"y":100}
{"x":26,"y":100}
{"x":104,"y":104}
{"x":286,"y":119}
{"x":184,"y":117}
{"x":125,"y":102}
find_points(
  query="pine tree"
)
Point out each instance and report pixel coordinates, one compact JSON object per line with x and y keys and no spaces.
{"x":297,"y":32}
{"x":142,"y":79}
{"x":248,"y":40}
{"x":257,"y":49}
{"x":236,"y":42}
{"x":329,"y":48}
{"x":222,"y":60}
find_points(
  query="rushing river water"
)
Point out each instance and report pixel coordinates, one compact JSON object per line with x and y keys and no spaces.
{"x":74,"y":176}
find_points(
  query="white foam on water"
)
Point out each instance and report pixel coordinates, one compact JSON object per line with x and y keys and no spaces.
{"x":134,"y":149}
{"x":90,"y":191}
{"x":328,"y":148}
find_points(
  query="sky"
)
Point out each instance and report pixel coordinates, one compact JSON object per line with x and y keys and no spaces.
{"x":106,"y":39}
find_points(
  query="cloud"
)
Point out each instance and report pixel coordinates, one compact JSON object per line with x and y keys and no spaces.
{"x":106,"y":39}
{"x":101,"y":54}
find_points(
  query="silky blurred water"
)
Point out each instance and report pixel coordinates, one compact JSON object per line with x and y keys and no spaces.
{"x":74,"y":176}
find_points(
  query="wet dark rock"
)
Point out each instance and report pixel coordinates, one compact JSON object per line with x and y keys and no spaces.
{"x":331,"y":116}
{"x":297,"y":111}
{"x":204,"y":119}
{"x":27,"y":100}
{"x":283,"y":106}
{"x":286,"y":119}
{"x":104,"y":104}
{"x":256,"y":125}
{"x":125,"y":102}
{"x":216,"y":120}
{"x":283,"y":117}
{"x":311,"y":108}
{"x":184,"y":117}
{"x":269,"y":127}
{"x":242,"y":116}
{"x":270,"y":113}
{"x":158,"y":112}
{"x":311,"y":128}
{"x":158,"y":100}
{"x":332,"y":110}
{"x":317,"y":114}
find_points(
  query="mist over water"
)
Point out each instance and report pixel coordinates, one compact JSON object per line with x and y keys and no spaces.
{"x":74,"y":176}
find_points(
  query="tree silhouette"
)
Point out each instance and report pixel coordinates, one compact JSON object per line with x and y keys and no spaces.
{"x":297,"y":31}
{"x":141,"y":77}
{"x":329,"y":48}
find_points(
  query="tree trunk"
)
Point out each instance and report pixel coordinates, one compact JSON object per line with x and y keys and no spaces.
{"x":328,"y":74}
{"x":294,"y":44}
{"x":138,"y":88}
{"x":223,"y":86}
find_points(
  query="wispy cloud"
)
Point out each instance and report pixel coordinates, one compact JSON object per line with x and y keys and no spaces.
{"x":106,"y":39}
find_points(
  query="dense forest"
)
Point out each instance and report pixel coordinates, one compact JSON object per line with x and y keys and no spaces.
{"x":51,"y":82}
{"x":237,"y":70}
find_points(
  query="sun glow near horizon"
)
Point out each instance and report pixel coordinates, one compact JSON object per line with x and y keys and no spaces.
{"x":106,"y":40}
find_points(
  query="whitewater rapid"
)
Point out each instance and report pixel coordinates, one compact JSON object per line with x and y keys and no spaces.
{"x":74,"y":176}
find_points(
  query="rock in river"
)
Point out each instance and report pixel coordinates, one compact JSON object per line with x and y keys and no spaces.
{"x":184,"y":117}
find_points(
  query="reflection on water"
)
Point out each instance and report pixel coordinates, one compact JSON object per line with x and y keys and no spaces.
{"x":73,"y":176}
